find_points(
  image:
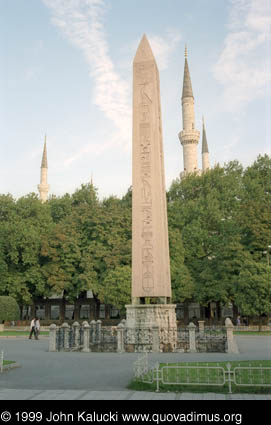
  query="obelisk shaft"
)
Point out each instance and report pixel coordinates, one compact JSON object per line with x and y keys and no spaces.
{"x":150,"y":251}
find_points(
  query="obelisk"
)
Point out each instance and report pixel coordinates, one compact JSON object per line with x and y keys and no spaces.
{"x":151,"y":285}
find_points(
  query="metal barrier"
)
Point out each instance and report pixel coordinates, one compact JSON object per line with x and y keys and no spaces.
{"x":141,"y":365}
{"x":258,"y":376}
{"x":245,"y":376}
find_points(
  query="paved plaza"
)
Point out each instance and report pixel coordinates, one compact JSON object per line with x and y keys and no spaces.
{"x":89,"y":376}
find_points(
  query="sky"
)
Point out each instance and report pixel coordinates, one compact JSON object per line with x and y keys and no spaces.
{"x":66,"y":71}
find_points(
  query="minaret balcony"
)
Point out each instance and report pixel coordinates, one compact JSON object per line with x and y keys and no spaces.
{"x":187,"y":137}
{"x":43,"y":187}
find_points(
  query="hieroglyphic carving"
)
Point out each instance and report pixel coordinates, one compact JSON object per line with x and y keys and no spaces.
{"x":145,"y":95}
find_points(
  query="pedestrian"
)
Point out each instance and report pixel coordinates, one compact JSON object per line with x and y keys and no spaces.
{"x":238,"y":321}
{"x":32,"y":329}
{"x":37,"y":327}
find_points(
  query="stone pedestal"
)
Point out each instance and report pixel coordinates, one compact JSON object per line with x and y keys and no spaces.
{"x":192,"y":337}
{"x":151,"y":327}
{"x":201,"y":327}
{"x":52,"y":337}
{"x":231,"y":343}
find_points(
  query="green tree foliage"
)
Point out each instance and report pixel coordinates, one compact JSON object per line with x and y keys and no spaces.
{"x":224,"y":216}
{"x":116,"y":289}
{"x":253,"y":291}
{"x":181,"y":282}
{"x":23,"y":226}
{"x":9,"y":309}
{"x":255,"y":217}
{"x":219,"y":233}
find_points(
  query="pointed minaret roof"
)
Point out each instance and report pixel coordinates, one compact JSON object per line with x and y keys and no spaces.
{"x":187,"y":86}
{"x":204,"y":139}
{"x":144,"y":51}
{"x":44,"y":163}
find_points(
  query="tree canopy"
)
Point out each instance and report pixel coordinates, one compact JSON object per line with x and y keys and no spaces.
{"x":219,"y":237}
{"x":9,"y":309}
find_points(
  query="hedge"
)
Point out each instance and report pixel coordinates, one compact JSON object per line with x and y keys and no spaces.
{"x":9,"y":309}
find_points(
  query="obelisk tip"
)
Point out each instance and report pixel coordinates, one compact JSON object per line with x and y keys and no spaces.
{"x":144,"y":51}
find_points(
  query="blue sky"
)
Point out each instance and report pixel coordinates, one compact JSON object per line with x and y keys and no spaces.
{"x":66,"y":70}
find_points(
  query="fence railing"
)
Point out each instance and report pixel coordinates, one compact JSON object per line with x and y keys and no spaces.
{"x":200,"y":375}
{"x":93,"y":337}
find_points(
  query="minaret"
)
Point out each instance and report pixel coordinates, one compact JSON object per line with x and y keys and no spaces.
{"x":204,"y":151}
{"x":189,"y":137}
{"x":43,"y":187}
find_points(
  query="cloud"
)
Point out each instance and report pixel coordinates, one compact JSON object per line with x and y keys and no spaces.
{"x":163,"y":47}
{"x":96,"y":149}
{"x":81,"y":22}
{"x":243,"y":67}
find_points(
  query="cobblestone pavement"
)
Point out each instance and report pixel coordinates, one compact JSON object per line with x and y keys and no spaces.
{"x":90,"y":376}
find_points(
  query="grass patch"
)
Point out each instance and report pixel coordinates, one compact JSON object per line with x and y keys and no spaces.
{"x":214,"y":376}
{"x":20,"y":333}
{"x":7,"y":362}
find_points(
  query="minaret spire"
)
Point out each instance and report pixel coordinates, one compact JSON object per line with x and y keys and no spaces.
{"x":187,"y":85}
{"x":43,"y":187}
{"x":44,"y":163}
{"x":189,"y":137}
{"x":204,"y":151}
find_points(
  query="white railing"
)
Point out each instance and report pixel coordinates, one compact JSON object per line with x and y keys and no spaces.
{"x":141,"y":366}
{"x":246,"y":376}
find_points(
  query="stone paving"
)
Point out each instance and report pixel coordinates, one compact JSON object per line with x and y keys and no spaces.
{"x":103,"y":376}
{"x":13,"y":394}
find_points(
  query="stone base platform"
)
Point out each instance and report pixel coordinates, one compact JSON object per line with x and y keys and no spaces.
{"x":150,"y":327}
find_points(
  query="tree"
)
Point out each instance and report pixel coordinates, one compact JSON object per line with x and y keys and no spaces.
{"x":255,"y":208}
{"x":116,"y":289}
{"x":105,"y":239}
{"x":60,"y":207}
{"x":219,"y":229}
{"x":26,"y":221}
{"x":9,"y":309}
{"x":182,"y":283}
{"x":253,"y":292}
{"x":204,"y":209}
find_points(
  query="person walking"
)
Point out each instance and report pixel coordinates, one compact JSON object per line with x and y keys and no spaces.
{"x":37,"y":327}
{"x":32,"y":329}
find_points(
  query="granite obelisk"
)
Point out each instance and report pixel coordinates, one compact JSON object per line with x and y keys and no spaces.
{"x":150,"y":252}
{"x":151,"y":285}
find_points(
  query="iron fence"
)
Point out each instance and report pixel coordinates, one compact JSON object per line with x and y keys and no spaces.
{"x":209,"y":339}
{"x":81,"y":337}
{"x":106,"y":341}
{"x":98,"y":338}
{"x":71,"y":338}
{"x":60,"y":339}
